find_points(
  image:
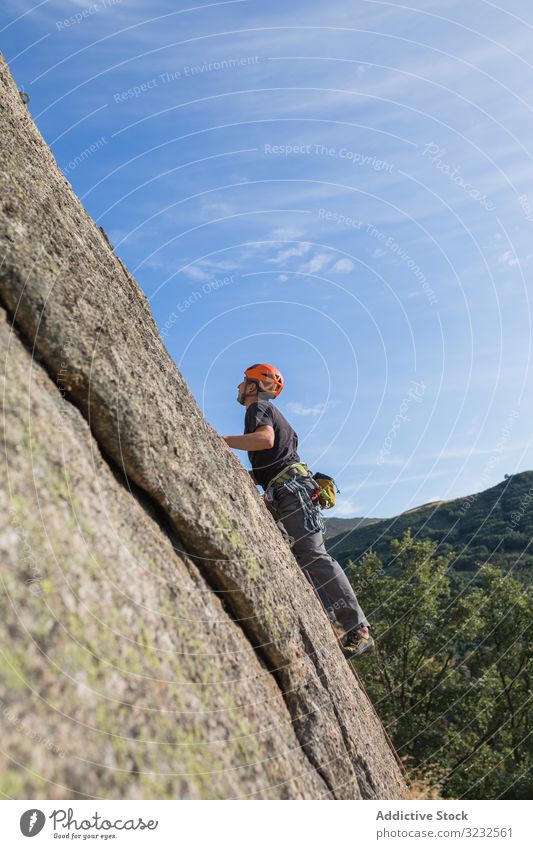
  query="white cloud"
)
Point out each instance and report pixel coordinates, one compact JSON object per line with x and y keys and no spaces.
{"x":347,"y":508}
{"x":508,"y":258}
{"x":343,"y":266}
{"x":217,"y":209}
{"x":196,"y":273}
{"x":206,"y":269}
{"x":316,"y":263}
{"x":404,"y":479}
{"x":282,"y":256}
{"x":286,"y":234}
{"x":298,"y":409}
{"x":462,"y":453}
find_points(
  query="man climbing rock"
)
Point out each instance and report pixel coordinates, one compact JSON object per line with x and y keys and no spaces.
{"x":288,"y":487}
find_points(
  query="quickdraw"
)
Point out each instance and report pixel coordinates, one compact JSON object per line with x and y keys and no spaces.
{"x":313,"y":520}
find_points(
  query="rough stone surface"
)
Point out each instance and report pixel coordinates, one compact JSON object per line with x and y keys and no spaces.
{"x":160,"y":639}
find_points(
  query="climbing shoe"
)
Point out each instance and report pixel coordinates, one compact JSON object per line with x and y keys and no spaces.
{"x":355,"y":644}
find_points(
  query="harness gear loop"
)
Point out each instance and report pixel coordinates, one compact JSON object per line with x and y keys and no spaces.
{"x":313,"y":520}
{"x":286,"y":479}
{"x":286,"y":473}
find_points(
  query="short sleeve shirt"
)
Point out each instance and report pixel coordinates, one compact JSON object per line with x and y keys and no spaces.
{"x":268,"y":463}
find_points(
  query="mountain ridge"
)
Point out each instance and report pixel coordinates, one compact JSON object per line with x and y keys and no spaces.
{"x":494,"y":524}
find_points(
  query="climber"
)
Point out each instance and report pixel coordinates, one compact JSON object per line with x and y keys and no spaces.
{"x":287,"y":483}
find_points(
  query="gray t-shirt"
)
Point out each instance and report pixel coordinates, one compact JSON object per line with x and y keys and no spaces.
{"x":268,"y":463}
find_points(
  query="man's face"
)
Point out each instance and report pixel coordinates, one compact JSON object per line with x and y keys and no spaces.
{"x":241,"y":392}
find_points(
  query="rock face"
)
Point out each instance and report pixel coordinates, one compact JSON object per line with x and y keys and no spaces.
{"x":159,"y":639}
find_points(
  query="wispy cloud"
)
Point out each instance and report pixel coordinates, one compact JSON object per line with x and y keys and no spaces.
{"x":317,"y":263}
{"x":343,"y":266}
{"x":195,"y":272}
{"x":206,"y":269}
{"x":283,"y":256}
{"x":298,"y":409}
{"x":508,"y":258}
{"x":348,"y":508}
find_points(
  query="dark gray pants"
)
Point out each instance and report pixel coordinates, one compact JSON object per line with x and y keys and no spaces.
{"x":310,"y":553}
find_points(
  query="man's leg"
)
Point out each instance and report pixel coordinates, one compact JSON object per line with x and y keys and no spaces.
{"x":310,"y":552}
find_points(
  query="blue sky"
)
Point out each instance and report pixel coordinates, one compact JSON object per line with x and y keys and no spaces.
{"x":342,"y":189}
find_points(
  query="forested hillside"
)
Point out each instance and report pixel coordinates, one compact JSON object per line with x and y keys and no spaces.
{"x":495,"y":525}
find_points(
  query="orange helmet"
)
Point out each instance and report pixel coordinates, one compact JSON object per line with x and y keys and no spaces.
{"x":268,"y":378}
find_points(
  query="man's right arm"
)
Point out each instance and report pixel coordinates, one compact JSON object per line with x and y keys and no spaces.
{"x":261,"y":439}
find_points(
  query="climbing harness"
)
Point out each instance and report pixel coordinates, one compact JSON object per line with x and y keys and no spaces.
{"x":286,"y":473}
{"x":324,"y":491}
{"x":306,"y":490}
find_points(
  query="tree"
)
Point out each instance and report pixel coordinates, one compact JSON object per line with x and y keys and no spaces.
{"x":450,"y":675}
{"x":495,"y":755}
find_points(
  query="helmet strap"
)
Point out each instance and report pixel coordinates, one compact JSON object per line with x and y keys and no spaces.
{"x":250,"y":380}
